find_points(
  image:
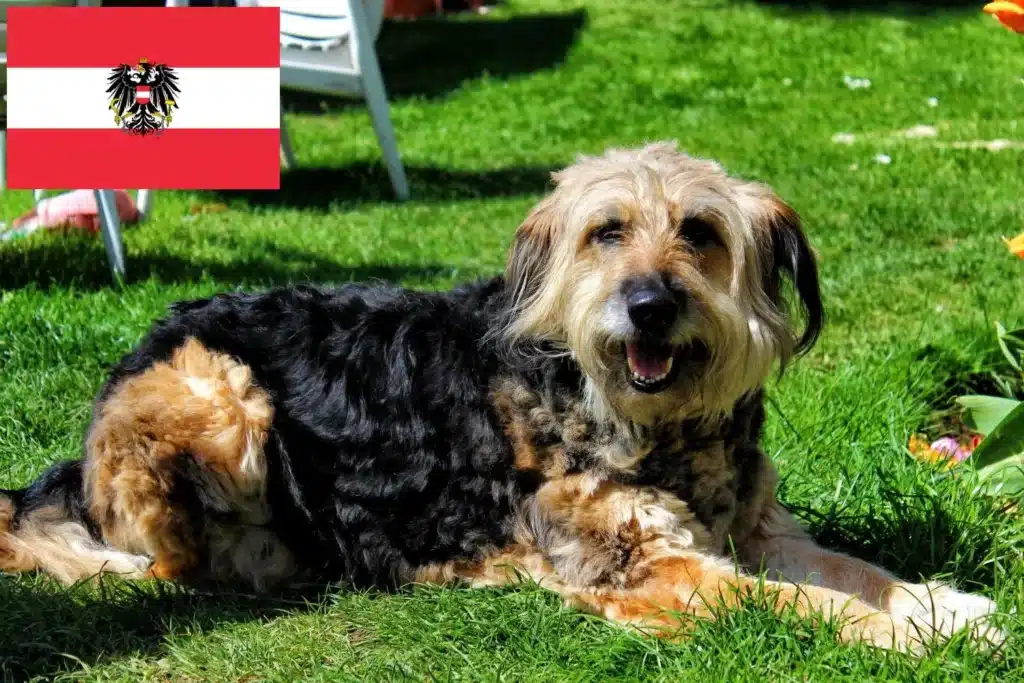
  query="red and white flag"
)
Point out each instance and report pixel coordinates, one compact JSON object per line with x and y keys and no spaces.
{"x":164,"y":98}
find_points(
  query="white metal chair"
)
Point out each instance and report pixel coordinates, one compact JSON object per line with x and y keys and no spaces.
{"x":110,"y":223}
{"x":328,"y":47}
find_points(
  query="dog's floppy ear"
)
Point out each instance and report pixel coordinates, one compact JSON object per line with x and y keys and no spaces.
{"x":530,"y":253}
{"x":787,"y":252}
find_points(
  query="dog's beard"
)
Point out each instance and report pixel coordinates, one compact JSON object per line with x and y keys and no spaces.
{"x":700,"y":370}
{"x":742,"y":349}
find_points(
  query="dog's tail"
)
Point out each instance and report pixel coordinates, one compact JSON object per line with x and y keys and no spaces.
{"x":46,"y":527}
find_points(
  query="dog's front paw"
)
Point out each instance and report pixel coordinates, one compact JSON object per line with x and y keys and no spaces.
{"x":936,"y":610}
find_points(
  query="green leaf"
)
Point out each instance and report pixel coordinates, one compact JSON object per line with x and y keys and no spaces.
{"x":1014,"y":339}
{"x":1005,"y":441}
{"x":983,"y":413}
{"x":1005,"y":477}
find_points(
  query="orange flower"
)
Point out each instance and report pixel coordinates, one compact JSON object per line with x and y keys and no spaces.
{"x":1016,"y":245}
{"x":1010,"y":13}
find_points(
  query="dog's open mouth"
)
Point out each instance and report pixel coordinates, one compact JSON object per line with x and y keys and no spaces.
{"x":654,"y":365}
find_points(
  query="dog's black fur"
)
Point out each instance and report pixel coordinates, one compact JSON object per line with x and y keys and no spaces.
{"x":385,"y":453}
{"x":381,"y":409}
{"x":61,"y":487}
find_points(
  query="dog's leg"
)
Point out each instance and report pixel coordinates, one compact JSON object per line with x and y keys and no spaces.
{"x":637,"y":555}
{"x":676,"y":585}
{"x":515,"y":563}
{"x":181,"y":437}
{"x":48,"y":538}
{"x":779,"y":545}
{"x":698,"y":585}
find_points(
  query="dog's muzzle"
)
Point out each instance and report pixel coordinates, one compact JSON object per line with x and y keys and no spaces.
{"x":653,"y":310}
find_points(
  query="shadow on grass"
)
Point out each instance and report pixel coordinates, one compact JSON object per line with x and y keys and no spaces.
{"x":72,"y":260}
{"x":969,"y":369}
{"x":902,"y":7}
{"x":49,"y":630}
{"x":926,"y":521}
{"x":433,"y":56}
{"x":923,"y":539}
{"x":322,"y":188}
{"x":81,"y":263}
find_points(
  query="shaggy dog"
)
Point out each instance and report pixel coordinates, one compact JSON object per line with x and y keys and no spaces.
{"x":591,"y":420}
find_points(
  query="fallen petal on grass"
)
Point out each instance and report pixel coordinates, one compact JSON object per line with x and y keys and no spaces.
{"x":921,"y":131}
{"x":991,"y":145}
{"x":854,"y":83}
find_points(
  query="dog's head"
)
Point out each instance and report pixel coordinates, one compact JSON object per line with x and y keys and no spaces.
{"x":662,"y":276}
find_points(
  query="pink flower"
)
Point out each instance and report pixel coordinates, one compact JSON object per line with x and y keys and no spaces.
{"x":950,"y":448}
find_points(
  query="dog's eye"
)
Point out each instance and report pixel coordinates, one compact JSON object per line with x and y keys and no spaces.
{"x":699,"y":232}
{"x":610,"y":232}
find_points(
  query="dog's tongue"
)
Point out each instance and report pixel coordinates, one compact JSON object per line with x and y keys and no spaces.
{"x":649,"y":361}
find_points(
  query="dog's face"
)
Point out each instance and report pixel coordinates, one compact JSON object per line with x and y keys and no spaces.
{"x":660,"y":274}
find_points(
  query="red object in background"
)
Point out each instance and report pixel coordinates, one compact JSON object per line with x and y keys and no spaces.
{"x":411,"y":9}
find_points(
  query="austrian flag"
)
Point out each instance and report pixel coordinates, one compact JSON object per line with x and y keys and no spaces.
{"x":165,"y":98}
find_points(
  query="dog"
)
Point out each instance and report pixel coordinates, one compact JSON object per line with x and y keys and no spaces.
{"x":589,"y":419}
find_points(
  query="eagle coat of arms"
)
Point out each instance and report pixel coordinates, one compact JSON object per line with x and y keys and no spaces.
{"x":143,"y":96}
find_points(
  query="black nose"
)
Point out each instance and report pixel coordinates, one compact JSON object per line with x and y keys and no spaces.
{"x":652,"y":308}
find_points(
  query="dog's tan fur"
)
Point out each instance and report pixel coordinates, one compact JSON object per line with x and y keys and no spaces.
{"x":199,"y":407}
{"x":196,"y":422}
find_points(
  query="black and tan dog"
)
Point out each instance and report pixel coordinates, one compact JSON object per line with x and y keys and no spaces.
{"x":591,"y":420}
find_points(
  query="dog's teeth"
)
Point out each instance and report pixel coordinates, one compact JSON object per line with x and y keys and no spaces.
{"x":650,"y":380}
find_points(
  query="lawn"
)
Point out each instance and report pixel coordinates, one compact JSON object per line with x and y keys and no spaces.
{"x":914,"y":276}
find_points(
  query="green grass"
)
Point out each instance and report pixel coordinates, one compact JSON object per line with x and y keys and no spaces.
{"x":913,"y":274}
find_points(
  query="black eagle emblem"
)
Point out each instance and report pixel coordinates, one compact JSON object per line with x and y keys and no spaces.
{"x":143,"y":96}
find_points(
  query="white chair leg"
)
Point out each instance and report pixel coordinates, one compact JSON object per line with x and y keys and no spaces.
{"x":287,"y":154}
{"x":379,"y":112}
{"x":3,"y":160}
{"x":144,"y":203}
{"x":110,"y":227}
{"x":377,"y":102}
